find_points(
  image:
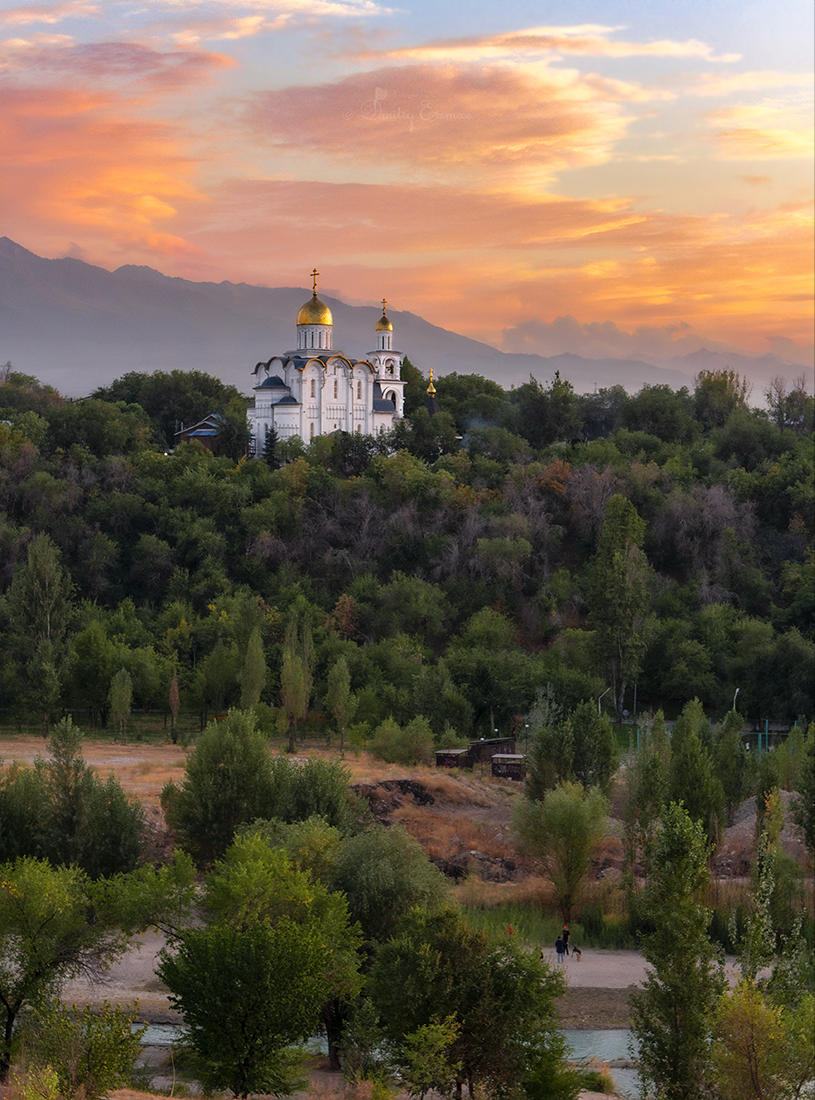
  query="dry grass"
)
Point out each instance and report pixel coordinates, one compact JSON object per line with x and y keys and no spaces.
{"x":533,"y":891}
{"x":448,"y":837}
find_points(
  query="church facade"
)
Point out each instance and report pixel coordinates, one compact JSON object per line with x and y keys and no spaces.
{"x":316,"y":390}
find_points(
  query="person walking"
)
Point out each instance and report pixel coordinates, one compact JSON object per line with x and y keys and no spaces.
{"x":564,"y":935}
{"x":560,"y":947}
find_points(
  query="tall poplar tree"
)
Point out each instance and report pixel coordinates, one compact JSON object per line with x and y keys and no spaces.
{"x":39,"y":601}
{"x":672,"y":1013}
{"x":340,"y":700}
{"x":619,"y":596}
{"x":254,"y":672}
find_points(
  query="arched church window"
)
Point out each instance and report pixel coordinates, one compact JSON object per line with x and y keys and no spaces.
{"x":335,"y":388}
{"x":312,"y":387}
{"x":359,"y":391}
{"x":311,"y":430}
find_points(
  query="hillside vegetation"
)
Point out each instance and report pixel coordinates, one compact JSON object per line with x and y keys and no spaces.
{"x":660,"y":543}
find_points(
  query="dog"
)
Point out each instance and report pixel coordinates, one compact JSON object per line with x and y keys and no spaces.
{"x":576,"y":953}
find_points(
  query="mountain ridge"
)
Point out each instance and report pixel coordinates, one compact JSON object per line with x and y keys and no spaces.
{"x":78,"y":326}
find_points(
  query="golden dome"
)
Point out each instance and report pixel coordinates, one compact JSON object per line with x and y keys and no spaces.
{"x":383,"y":324}
{"x":315,"y":312}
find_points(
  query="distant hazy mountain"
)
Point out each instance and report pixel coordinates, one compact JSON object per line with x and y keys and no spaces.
{"x":77,"y":327}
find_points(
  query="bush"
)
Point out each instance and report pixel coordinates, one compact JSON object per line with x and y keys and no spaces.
{"x":92,"y":1051}
{"x":61,"y":811}
{"x":228,"y":782}
{"x":318,"y":788}
{"x":408,"y":746}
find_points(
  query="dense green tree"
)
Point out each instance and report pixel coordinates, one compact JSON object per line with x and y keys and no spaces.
{"x":171,"y":399}
{"x":547,"y":414}
{"x":718,"y":394}
{"x":471,"y":400}
{"x":383,"y":873}
{"x":318,"y":788}
{"x":23,"y":809}
{"x":276,"y":948}
{"x":672,"y":1013}
{"x":228,"y":781}
{"x":52,"y":928}
{"x":502,"y":999}
{"x":660,"y":412}
{"x":563,"y":831}
{"x":99,"y":428}
{"x":550,"y":754}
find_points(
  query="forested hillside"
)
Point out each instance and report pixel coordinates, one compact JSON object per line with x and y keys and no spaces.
{"x":512,"y":540}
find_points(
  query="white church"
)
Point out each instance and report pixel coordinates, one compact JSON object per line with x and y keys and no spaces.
{"x":315,"y":390}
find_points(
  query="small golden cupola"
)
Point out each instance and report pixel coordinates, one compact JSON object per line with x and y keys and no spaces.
{"x":315,"y":323}
{"x":384,"y":330}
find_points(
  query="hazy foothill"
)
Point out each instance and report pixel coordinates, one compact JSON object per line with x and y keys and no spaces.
{"x":620,"y":583}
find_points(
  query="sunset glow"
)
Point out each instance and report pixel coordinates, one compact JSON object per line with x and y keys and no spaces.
{"x":627,"y":179}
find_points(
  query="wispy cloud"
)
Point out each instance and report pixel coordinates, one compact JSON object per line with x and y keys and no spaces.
{"x":768,"y":129}
{"x":47,"y":13}
{"x":496,"y":120}
{"x":589,"y":40}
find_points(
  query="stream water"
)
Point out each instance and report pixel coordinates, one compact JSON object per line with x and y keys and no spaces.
{"x":607,"y":1046}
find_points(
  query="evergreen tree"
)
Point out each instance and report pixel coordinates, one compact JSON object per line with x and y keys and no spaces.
{"x":270,"y":449}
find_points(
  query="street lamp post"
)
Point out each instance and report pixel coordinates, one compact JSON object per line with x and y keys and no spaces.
{"x":608,"y":689}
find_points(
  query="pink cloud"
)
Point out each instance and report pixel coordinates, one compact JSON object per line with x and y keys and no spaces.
{"x":495,"y":119}
{"x":587,"y":40}
{"x":47,"y":13}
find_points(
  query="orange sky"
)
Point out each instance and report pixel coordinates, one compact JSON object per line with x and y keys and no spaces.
{"x":631,"y":179}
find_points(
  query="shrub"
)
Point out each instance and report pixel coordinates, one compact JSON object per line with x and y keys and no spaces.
{"x":228,"y":782}
{"x":408,"y":746}
{"x":92,"y":1051}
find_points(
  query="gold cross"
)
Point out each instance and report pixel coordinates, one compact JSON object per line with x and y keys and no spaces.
{"x":314,"y":275}
{"x":384,"y":303}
